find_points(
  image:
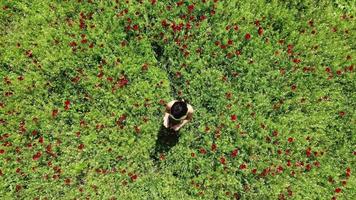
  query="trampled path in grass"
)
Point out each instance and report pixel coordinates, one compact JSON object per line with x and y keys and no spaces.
{"x":85,"y":83}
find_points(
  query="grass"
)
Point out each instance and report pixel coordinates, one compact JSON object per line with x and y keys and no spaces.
{"x":85,"y":83}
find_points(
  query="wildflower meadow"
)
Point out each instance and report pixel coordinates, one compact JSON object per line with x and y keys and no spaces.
{"x":84,"y":86}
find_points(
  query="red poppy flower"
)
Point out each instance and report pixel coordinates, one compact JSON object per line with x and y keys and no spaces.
{"x":254,"y":171}
{"x":290,"y":140}
{"x":289,"y":163}
{"x":338,"y":190}
{"x":229,"y":55}
{"x":164,"y":23}
{"x":296,"y":60}
{"x":34,"y":132}
{"x":72,"y":44}
{"x":67,"y":181}
{"x":21,"y":77}
{"x":2,"y":151}
{"x":122,"y":81}
{"x":18,"y":188}
{"x":202,"y":151}
{"x":234,"y":153}
{"x":260,"y":31}
{"x":247,"y":36}
{"x":207,"y":129}
{"x":293,"y":87}
{"x":162,"y":156}
{"x":135,"y":27}
{"x":110,"y":79}
{"x":279,"y":151}
{"x":275,"y":133}
{"x":308,"y":152}
{"x":233,"y":117}
{"x":230,"y":42}
{"x":348,"y":172}
{"x":223,"y":160}
{"x":188,"y":26}
{"x":37,"y":155}
{"x":190,"y":8}
{"x":18,"y":170}
{"x":100,"y":74}
{"x":316,"y":164}
{"x":243,"y":166}
{"x":282,"y":71}
{"x":308,"y":167}
{"x":279,"y":169}
{"x":265,"y":171}
{"x":128,"y":27}
{"x":81,"y":146}
{"x":133,"y":177}
{"x":213,"y":147}
{"x":343,"y":183}
{"x":192,"y":154}
{"x":257,"y":23}
{"x":316,"y":153}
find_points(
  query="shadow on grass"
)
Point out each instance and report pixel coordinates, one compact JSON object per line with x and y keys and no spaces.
{"x":167,"y":138}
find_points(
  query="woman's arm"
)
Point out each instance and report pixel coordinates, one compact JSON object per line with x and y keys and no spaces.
{"x":167,"y":112}
{"x":190,"y":113}
{"x":165,"y":120}
{"x":178,"y":126}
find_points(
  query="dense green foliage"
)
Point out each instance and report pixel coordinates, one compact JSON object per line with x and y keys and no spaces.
{"x":85,"y":83}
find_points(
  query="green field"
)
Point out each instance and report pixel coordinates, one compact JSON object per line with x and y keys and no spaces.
{"x":84,"y":84}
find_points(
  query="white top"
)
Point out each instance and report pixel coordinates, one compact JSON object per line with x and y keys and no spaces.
{"x":169,"y":105}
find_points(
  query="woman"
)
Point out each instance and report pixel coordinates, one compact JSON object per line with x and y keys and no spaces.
{"x":178,"y":113}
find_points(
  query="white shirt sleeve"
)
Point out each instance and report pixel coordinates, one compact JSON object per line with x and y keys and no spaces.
{"x":190,"y":108}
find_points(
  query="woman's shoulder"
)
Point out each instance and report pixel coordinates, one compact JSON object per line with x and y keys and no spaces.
{"x":190,"y":108}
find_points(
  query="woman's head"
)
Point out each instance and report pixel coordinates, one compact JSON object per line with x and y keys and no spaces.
{"x":179,"y":109}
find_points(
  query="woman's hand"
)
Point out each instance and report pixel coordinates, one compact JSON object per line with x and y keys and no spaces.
{"x":178,"y":126}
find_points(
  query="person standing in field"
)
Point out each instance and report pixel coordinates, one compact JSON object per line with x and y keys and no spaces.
{"x":177,"y":114}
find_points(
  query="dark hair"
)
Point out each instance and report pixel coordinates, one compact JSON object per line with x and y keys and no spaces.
{"x":179,"y":109}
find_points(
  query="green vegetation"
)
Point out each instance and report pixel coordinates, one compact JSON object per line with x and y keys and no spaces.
{"x":85,"y":83}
